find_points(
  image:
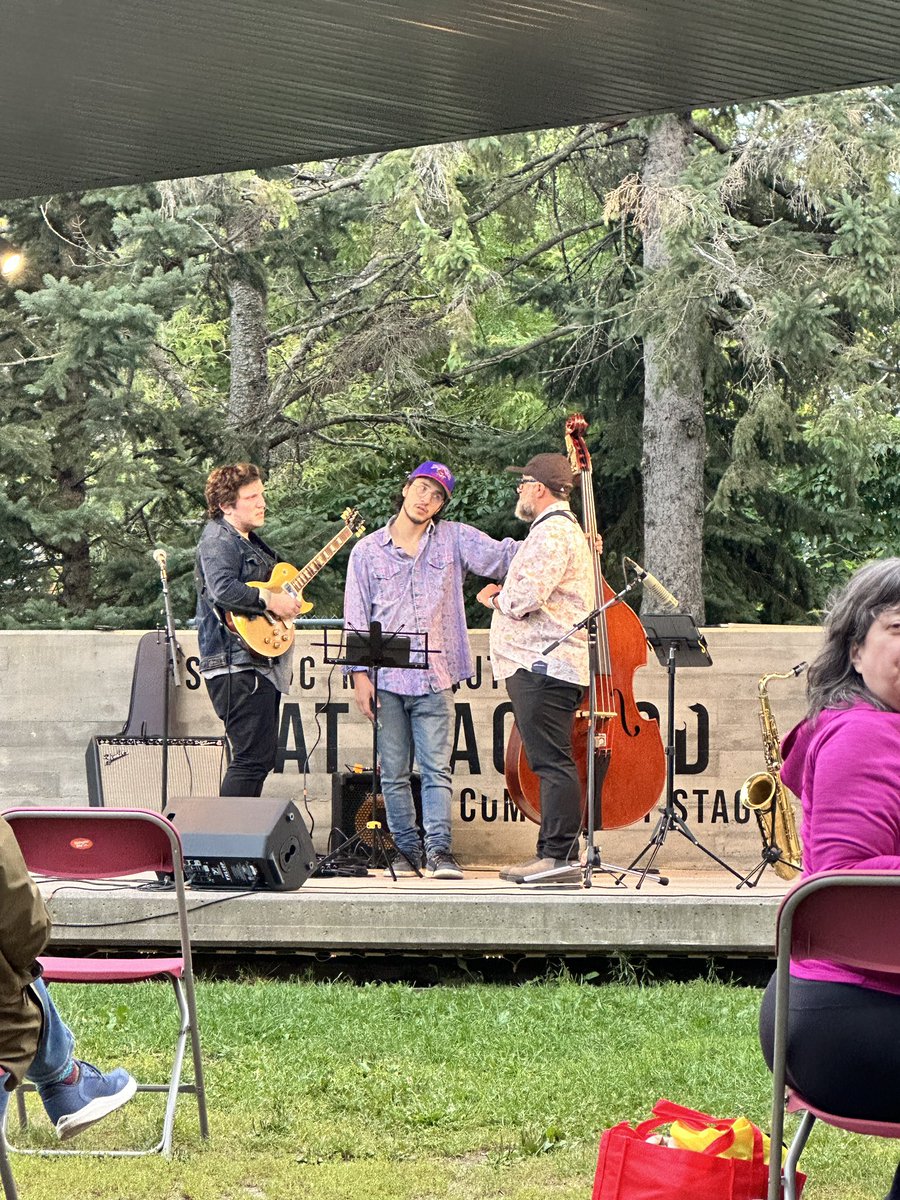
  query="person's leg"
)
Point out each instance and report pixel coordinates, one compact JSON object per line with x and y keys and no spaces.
{"x":395,"y":755}
{"x":75,"y":1094}
{"x":545,"y":709}
{"x":431,"y":718}
{"x":843,"y":1047}
{"x":247,"y":704}
{"x":54,"y":1059}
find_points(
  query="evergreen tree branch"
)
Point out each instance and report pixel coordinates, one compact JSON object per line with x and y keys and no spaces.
{"x":158,"y":359}
{"x":336,"y":183}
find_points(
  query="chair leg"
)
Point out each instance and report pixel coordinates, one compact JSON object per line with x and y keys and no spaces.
{"x":6,"y":1175}
{"x":197,"y":1060}
{"x":796,"y":1148}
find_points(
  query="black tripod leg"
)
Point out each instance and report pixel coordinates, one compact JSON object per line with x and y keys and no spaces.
{"x":753,"y":876}
{"x":683,"y":829}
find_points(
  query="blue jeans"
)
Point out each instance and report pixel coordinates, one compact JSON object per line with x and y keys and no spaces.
{"x":53,"y":1060}
{"x":420,"y":728}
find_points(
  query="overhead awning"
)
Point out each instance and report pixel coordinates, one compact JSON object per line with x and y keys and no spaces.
{"x":100,"y":92}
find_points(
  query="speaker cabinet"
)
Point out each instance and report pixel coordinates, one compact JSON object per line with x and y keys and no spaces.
{"x":243,"y":841}
{"x":126,"y":772}
{"x":351,"y":809}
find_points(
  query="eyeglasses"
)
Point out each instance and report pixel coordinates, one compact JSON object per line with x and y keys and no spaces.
{"x":427,"y":491}
{"x":524,"y":482}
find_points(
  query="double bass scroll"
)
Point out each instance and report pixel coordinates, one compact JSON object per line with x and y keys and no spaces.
{"x":628,"y":771}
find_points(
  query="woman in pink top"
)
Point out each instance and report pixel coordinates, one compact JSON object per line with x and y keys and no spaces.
{"x":843,"y":761}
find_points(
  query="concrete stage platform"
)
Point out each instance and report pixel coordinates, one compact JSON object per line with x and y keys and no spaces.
{"x":698,"y":913}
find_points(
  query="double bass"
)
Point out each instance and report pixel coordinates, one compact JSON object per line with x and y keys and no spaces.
{"x":628,"y":771}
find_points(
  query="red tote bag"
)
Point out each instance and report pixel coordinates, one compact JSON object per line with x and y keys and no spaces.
{"x":631,"y":1168}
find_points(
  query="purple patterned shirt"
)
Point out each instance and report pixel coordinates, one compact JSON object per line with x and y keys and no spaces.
{"x":422,"y":595}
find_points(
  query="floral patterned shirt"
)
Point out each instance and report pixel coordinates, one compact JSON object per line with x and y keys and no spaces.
{"x":548,"y":589}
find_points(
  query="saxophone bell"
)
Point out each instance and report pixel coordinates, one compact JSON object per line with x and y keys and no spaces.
{"x":757,"y":790}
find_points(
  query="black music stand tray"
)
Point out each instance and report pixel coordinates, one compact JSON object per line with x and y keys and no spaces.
{"x":677,"y":642}
{"x":375,"y":649}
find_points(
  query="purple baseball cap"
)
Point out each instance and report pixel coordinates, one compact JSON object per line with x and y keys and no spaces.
{"x":436,"y":471}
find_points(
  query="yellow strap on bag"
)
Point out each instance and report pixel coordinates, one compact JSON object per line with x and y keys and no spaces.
{"x":687,"y":1138}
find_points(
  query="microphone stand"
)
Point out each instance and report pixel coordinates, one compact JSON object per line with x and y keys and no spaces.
{"x":159,"y":557}
{"x":593,"y":858}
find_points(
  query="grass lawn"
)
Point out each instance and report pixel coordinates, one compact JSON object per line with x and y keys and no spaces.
{"x":391,"y":1091}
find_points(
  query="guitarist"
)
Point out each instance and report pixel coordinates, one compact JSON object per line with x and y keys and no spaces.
{"x":244,"y":687}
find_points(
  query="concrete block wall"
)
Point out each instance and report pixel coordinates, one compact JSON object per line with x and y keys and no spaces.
{"x":62,"y":688}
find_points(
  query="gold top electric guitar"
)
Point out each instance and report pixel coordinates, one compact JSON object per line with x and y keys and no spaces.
{"x":271,"y":636}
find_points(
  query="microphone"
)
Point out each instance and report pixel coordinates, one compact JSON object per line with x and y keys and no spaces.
{"x":652,"y":585}
{"x":159,"y":557}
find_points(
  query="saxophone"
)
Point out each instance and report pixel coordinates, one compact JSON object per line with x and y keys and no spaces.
{"x":767,"y":796}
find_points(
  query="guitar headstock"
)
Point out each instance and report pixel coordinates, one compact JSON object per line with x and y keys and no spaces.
{"x":353,"y":521}
{"x":576,"y":445}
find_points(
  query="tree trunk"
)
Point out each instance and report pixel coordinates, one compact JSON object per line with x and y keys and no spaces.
{"x":249,"y":364}
{"x":75,"y":578}
{"x":674,"y":427}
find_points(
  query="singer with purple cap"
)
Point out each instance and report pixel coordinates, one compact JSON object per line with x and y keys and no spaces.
{"x":409,"y":577}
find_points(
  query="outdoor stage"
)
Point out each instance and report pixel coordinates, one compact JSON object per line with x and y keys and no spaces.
{"x":699,"y":913}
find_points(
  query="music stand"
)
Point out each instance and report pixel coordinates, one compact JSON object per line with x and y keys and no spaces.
{"x":375,"y":649}
{"x":677,"y":642}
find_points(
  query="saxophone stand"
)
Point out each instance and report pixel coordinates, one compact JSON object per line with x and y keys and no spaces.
{"x":676,"y":641}
{"x":770,"y":856}
{"x":374,"y":649}
{"x":594,"y":783}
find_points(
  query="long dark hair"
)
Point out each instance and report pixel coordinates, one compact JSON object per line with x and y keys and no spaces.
{"x":832,"y":680}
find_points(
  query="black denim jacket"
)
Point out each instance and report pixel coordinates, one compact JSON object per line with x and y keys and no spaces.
{"x":224,"y":562}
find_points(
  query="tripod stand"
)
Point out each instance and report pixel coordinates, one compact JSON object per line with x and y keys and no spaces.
{"x":677,"y":642}
{"x":375,"y":649}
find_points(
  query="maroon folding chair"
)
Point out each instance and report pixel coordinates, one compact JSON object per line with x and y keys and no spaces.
{"x":102,"y":843}
{"x":848,"y":917}
{"x":6,"y":1176}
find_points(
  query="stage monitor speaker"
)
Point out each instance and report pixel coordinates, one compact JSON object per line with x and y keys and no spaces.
{"x":351,"y":809}
{"x":243,"y":841}
{"x":126,"y":772}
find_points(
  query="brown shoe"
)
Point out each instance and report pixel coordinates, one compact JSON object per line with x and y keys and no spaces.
{"x":544,"y":870}
{"x":512,"y":874}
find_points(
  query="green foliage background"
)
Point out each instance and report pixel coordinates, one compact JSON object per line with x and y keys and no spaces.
{"x":338,"y":322}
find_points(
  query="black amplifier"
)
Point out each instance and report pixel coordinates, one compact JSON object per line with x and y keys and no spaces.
{"x":243,"y":842}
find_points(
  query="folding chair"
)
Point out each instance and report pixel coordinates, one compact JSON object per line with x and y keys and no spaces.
{"x":6,"y":1175}
{"x":848,"y":917}
{"x":102,"y":843}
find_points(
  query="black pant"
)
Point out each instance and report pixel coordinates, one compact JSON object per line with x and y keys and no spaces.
{"x":843,"y":1047}
{"x":545,"y":709}
{"x":248,"y":705}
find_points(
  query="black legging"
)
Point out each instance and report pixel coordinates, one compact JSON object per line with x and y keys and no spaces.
{"x":843,"y":1047}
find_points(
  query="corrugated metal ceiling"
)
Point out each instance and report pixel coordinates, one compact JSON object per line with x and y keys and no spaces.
{"x":97,"y":92}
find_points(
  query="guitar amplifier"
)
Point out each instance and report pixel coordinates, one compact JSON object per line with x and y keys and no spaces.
{"x":352,"y":808}
{"x":243,"y":842}
{"x":126,"y":772}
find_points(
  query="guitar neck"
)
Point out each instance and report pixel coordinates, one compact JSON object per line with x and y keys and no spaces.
{"x":315,"y":565}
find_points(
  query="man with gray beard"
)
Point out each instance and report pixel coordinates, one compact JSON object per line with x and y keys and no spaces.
{"x":548,"y":590}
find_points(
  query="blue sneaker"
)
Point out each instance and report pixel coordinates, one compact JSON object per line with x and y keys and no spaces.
{"x":74,"y":1107}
